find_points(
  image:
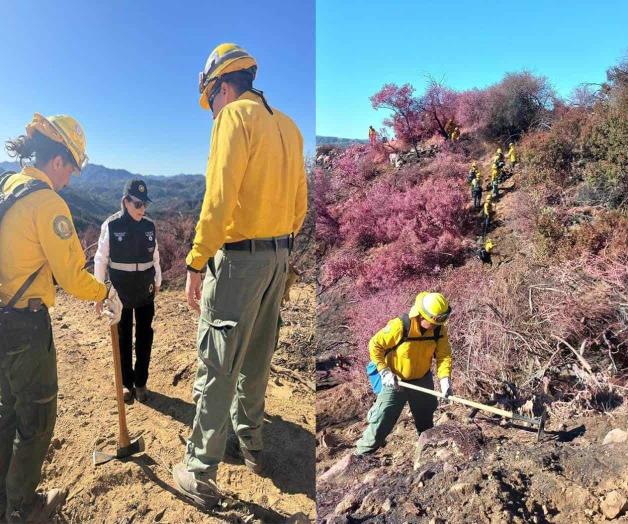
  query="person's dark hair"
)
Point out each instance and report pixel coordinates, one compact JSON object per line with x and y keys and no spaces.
{"x":37,"y":149}
{"x":240,"y":80}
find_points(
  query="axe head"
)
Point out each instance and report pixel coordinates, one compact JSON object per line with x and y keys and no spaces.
{"x":136,"y":446}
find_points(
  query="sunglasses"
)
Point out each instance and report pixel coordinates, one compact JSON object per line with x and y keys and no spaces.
{"x":214,"y":93}
{"x":137,"y":204}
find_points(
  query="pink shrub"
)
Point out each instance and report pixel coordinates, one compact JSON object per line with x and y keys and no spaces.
{"x":340,"y":264}
{"x":175,"y":237}
{"x":439,"y":105}
{"x":472,"y":110}
{"x":408,"y":119}
{"x":326,"y":224}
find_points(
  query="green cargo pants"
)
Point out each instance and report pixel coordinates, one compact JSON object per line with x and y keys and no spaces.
{"x":383,"y":416}
{"x":236,"y":339}
{"x":28,"y":405}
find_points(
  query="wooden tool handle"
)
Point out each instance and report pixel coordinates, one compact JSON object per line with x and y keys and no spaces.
{"x":123,"y":432}
{"x":470,"y":403}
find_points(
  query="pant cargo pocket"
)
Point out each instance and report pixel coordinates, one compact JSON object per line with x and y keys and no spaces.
{"x":218,"y":344}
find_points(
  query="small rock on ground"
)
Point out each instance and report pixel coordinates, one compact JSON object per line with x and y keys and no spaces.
{"x":614,"y":505}
{"x":616,"y":436}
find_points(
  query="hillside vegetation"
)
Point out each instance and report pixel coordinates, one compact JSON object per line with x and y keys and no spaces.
{"x":546,"y":324}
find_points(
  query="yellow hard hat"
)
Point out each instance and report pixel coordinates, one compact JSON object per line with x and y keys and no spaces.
{"x":63,"y":129}
{"x":489,"y":197}
{"x":488,"y":245}
{"x":511,"y":145}
{"x":226,"y":58}
{"x":433,"y":307}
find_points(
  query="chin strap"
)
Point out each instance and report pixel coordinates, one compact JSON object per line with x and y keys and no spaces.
{"x":261,"y":95}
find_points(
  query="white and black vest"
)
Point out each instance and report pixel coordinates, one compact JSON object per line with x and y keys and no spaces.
{"x":131,"y":250}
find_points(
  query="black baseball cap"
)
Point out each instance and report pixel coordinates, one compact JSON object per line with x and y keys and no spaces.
{"x":137,"y":188}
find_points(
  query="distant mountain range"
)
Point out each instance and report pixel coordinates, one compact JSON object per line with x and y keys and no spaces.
{"x":336,"y":141}
{"x":96,"y":193}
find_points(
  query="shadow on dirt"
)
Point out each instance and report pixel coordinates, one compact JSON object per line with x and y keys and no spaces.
{"x":290,"y":457}
{"x":228,"y":505}
{"x":289,"y":449}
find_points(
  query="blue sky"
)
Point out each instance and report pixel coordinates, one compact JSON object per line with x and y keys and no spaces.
{"x":128,"y":71}
{"x":361,"y":45}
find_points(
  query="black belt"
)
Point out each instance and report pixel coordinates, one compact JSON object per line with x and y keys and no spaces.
{"x":253,"y":245}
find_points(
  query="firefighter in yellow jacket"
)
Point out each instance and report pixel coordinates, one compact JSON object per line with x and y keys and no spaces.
{"x":37,"y":243}
{"x":407,"y":354}
{"x":255,"y":201}
{"x":511,"y":155}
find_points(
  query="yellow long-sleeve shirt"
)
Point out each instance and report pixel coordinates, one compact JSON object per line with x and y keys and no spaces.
{"x":255,"y":179}
{"x":511,"y":155}
{"x":412,"y":359}
{"x":38,"y":232}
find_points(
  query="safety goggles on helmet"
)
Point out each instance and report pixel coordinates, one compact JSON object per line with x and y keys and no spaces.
{"x":439,"y":319}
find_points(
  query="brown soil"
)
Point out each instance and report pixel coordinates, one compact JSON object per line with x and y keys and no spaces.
{"x":466,"y":471}
{"x":140,"y":489}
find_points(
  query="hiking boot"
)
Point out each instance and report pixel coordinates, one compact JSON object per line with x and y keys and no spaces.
{"x":232,"y":449}
{"x":46,"y":504}
{"x":141,"y":394}
{"x":252,"y":459}
{"x":200,"y":488}
{"x":127,"y":395}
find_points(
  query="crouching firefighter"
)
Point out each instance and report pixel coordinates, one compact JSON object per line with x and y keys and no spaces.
{"x":128,"y":248}
{"x":38,"y":242}
{"x":404,"y":350}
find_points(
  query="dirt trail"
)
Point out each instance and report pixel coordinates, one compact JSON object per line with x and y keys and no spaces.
{"x":140,"y":489}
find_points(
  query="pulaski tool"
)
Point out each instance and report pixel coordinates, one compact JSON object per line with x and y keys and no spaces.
{"x":126,"y":447}
{"x":538,"y":422}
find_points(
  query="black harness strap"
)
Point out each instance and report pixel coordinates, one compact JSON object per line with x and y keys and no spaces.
{"x":405,"y":319}
{"x":6,"y":202}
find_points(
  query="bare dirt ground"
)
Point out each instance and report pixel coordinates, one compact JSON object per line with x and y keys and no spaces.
{"x":140,"y":489}
{"x":465,"y":471}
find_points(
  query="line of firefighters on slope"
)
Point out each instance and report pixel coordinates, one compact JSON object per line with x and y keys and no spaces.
{"x":499,"y":174}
